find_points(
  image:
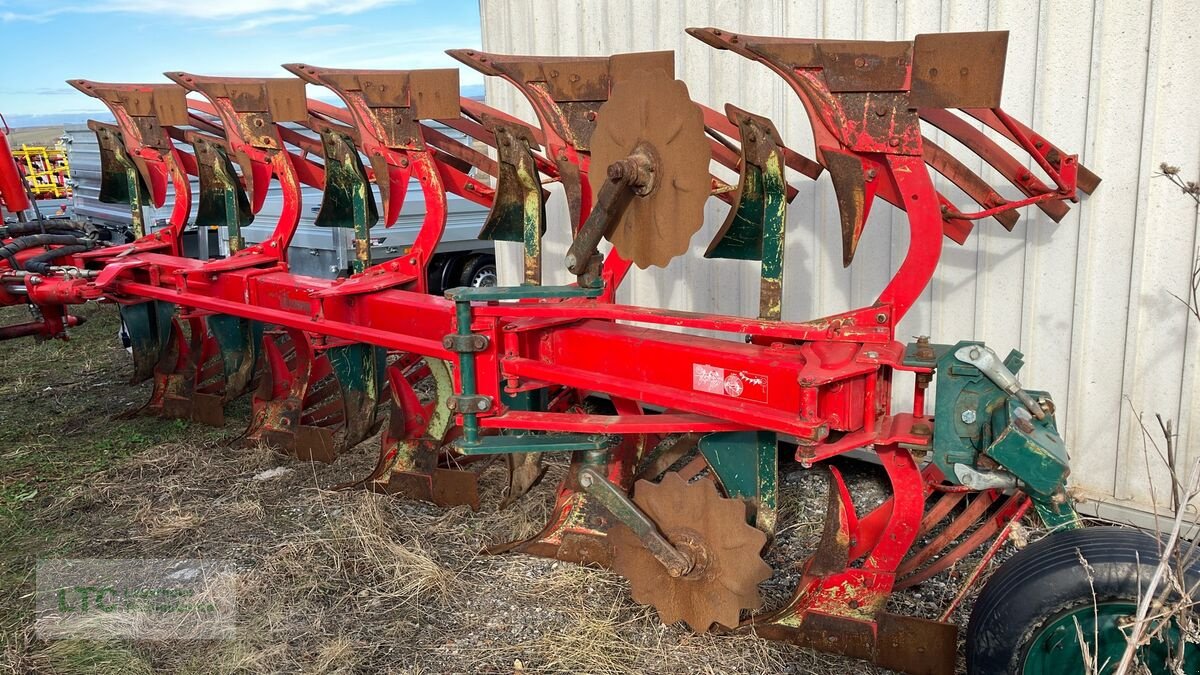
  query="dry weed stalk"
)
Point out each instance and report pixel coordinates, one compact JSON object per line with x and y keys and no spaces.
{"x":1167,"y":598}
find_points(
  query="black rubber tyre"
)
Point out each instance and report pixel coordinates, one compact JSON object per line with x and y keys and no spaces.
{"x":1045,"y":582}
{"x":479,"y":271}
{"x":438,"y":273}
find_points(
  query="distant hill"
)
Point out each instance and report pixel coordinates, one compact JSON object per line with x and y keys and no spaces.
{"x":43,"y":135}
{"x":55,"y":119}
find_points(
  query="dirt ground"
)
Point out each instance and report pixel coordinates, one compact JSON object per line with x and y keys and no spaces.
{"x":332,"y":581}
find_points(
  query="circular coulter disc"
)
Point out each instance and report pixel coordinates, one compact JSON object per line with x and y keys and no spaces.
{"x":650,"y":109}
{"x":713,"y":531}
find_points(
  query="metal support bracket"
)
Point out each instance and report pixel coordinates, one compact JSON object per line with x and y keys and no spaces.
{"x":622,"y":507}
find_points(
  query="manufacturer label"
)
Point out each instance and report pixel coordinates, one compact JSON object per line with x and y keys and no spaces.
{"x":727,"y":382}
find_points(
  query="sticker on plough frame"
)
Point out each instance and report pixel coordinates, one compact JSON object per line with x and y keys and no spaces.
{"x":729,"y":382}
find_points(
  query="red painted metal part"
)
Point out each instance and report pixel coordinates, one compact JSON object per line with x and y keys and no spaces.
{"x":815,"y":387}
{"x":12,"y":186}
{"x":826,"y":383}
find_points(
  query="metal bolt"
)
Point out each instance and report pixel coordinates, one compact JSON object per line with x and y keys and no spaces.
{"x":860,"y":62}
{"x":968,"y":416}
{"x":895,"y":142}
{"x":482,"y":405}
{"x":881,"y":318}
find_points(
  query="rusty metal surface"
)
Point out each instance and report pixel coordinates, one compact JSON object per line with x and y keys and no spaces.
{"x":958,"y":70}
{"x":904,"y":644}
{"x":725,"y":550}
{"x":525,"y":471}
{"x":432,"y":94}
{"x":969,"y":182}
{"x":282,"y":97}
{"x":650,"y":109}
{"x":854,"y":202}
{"x":833,"y":550}
{"x":567,"y":79}
{"x":973,"y":513}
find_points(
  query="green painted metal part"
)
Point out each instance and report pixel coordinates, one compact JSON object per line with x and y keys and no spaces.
{"x":148,"y":325}
{"x":528,"y":442}
{"x":239,"y":341}
{"x":497,"y":293}
{"x":755,"y":227}
{"x":618,"y":503}
{"x":518,"y":211}
{"x":747,"y":464}
{"x":120,"y":181}
{"x":347,"y":200}
{"x":359,"y":369}
{"x":1057,"y":650}
{"x":222,"y":200}
{"x":973,"y":418}
{"x":742,"y":238}
{"x":1032,"y":450}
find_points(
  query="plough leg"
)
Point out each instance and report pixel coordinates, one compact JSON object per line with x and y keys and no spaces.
{"x":411,"y":460}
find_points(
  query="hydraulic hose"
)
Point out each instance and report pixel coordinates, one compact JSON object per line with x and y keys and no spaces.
{"x":40,"y":263}
{"x":9,"y":251}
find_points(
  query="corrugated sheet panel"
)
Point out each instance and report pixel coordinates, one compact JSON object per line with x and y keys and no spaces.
{"x":1088,"y":300}
{"x":315,"y":251}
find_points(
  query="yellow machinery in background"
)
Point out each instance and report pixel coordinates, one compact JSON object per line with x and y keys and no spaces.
{"x":45,"y":170}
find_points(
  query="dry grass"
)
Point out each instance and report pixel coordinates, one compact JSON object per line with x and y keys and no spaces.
{"x":352,"y":581}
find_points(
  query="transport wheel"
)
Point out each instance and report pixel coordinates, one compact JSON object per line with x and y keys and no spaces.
{"x":1030,"y":615}
{"x":713,"y":532}
{"x":479,"y":272}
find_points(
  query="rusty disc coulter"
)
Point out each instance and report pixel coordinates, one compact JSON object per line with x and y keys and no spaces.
{"x":724,"y":554}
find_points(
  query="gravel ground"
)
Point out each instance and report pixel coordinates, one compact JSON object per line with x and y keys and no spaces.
{"x":349,"y":581}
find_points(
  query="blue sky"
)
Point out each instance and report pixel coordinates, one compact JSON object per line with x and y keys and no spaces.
{"x":137,"y":40}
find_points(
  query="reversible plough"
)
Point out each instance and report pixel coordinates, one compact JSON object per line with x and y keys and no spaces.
{"x":673,"y":438}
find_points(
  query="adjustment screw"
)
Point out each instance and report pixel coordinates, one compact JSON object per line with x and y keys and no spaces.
{"x":968,"y":416}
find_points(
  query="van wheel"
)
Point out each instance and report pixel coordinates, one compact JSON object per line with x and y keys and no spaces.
{"x":479,"y":272}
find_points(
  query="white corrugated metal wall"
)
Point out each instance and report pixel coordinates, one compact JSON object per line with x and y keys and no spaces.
{"x":1088,"y":300}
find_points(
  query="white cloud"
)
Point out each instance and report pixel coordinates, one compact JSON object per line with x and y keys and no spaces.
{"x":323,"y":30}
{"x":252,"y":24}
